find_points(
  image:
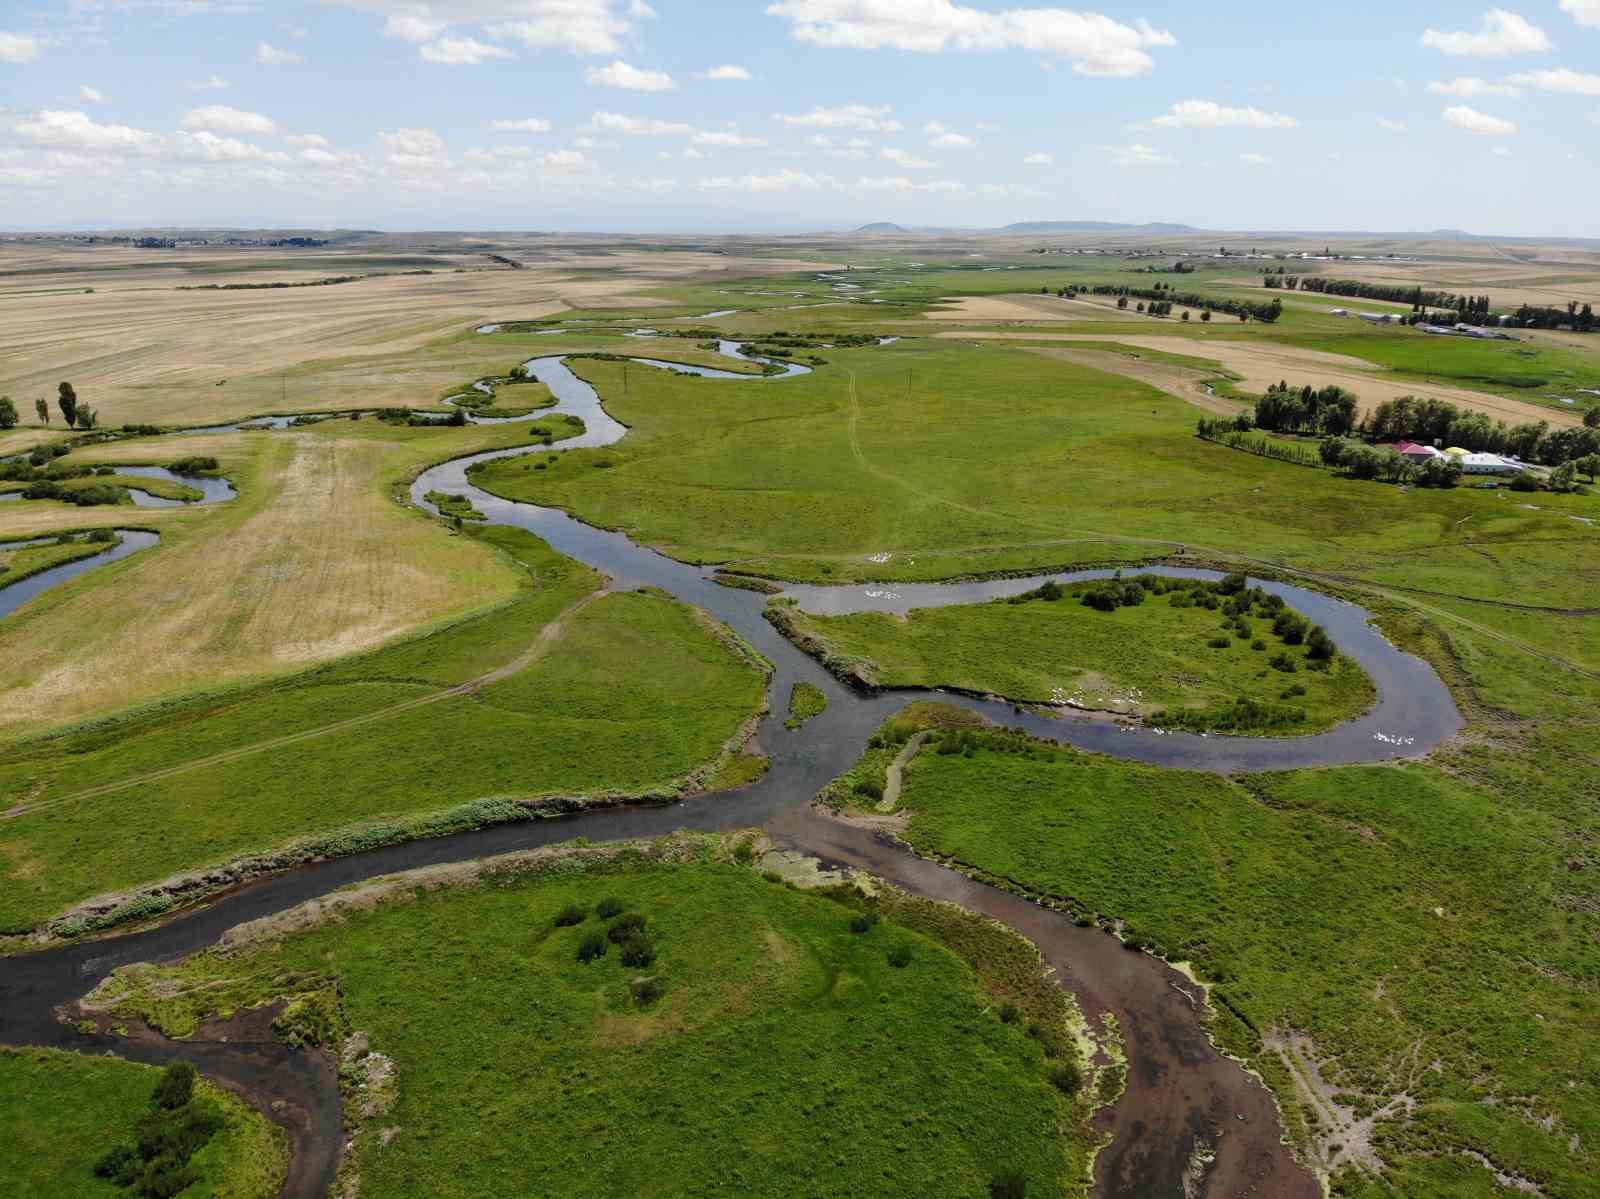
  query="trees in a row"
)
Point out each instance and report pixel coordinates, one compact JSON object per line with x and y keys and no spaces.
{"x":1411,"y":418}
{"x":1165,"y":295}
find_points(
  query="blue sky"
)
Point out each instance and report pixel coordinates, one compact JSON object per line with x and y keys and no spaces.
{"x":799,"y":114}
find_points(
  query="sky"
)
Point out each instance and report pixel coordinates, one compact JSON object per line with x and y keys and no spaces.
{"x":680,"y":116}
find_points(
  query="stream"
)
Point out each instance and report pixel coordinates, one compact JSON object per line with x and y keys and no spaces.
{"x":1191,"y":1122}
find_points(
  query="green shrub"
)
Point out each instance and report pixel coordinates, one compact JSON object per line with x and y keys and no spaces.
{"x":869,"y":789}
{"x":637,"y":952}
{"x":608,"y":907}
{"x":744,"y":853}
{"x":900,"y":956}
{"x":592,"y":948}
{"x":1282,"y":661}
{"x":864,"y":922}
{"x":626,"y":928}
{"x":1009,"y":1013}
{"x":1220,"y":642}
{"x":646,"y":991}
{"x":1067,"y":1078}
{"x":176,"y":1086}
{"x":193,"y":465}
{"x":570,"y":915}
{"x":1009,"y":1184}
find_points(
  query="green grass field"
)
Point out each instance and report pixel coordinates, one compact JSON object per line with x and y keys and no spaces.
{"x":955,"y":459}
{"x":1423,"y":925}
{"x":62,"y":1111}
{"x":19,"y":564}
{"x":632,"y":695}
{"x":1135,"y":660}
{"x":785,"y":1054}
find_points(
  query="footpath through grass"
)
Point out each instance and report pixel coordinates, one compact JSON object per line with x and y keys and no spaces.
{"x":62,"y":1111}
{"x":1176,"y":651}
{"x":634,"y":694}
{"x":741,"y":1040}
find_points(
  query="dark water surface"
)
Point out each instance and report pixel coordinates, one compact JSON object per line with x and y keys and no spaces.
{"x":1184,"y":1102}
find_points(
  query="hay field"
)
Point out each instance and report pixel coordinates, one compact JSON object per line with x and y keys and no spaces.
{"x":138,"y":349}
{"x":314,"y":561}
{"x":1262,"y":363}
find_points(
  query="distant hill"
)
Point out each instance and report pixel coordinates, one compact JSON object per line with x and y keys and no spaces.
{"x":881,"y":227}
{"x":1094,"y":227}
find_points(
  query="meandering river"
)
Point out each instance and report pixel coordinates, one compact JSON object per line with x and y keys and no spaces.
{"x":1191,"y":1122}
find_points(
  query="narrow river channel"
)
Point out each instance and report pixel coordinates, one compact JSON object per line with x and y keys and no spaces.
{"x":1191,"y":1122}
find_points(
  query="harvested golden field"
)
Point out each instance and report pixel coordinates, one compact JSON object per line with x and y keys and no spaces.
{"x":1020,"y":308}
{"x":1261,"y":364}
{"x":139,"y":349}
{"x":314,"y":561}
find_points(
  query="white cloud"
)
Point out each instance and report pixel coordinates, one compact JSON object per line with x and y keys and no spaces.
{"x":520,"y":125}
{"x":270,"y":56}
{"x":212,"y":83}
{"x":820,"y":140}
{"x":1253,"y":159}
{"x":1207,"y":114}
{"x":219,"y":118}
{"x":313,"y":141}
{"x":902,"y":158}
{"x":1391,"y":126}
{"x":206,"y":146}
{"x":943,"y":135}
{"x":1466,"y":87}
{"x":579,"y":26}
{"x":413,"y":28}
{"x":613,"y":122}
{"x":728,"y":73}
{"x":640,"y":11}
{"x":621,"y":74}
{"x":1138,"y":155}
{"x":92,"y":95}
{"x":844,"y":116}
{"x":563,"y":160}
{"x":1584,"y":12}
{"x":26,"y":177}
{"x":1039,"y":159}
{"x":725,"y":138}
{"x":1501,"y":33}
{"x":461,"y":52}
{"x":1095,"y":44}
{"x":1474,"y":121}
{"x":75,"y":131}
{"x":899,"y":183}
{"x":1574,"y":83}
{"x":784,"y":180}
{"x":589,"y":143}
{"x":19,"y":48}
{"x":860,"y":143}
{"x":1501,"y":152}
{"x":417,"y":143}
{"x":1009,"y":189}
{"x":497,"y":153}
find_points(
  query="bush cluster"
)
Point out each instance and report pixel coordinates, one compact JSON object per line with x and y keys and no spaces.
{"x":158,"y":1163}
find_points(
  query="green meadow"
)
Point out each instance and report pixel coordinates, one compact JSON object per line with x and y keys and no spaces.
{"x":1137,"y":660}
{"x":632,"y":695}
{"x":62,"y":1111}
{"x":755,"y":1044}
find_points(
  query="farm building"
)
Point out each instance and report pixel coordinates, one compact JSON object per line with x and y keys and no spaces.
{"x":1483,"y":464}
{"x":1413,"y":452}
{"x":1378,"y":318}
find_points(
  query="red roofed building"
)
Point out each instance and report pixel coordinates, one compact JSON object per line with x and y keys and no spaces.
{"x":1416,"y":453}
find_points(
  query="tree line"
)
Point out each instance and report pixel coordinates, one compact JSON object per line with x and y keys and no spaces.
{"x":1163,"y":294}
{"x":1427,"y":421}
{"x":1469,"y":307}
{"x":74,"y":412}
